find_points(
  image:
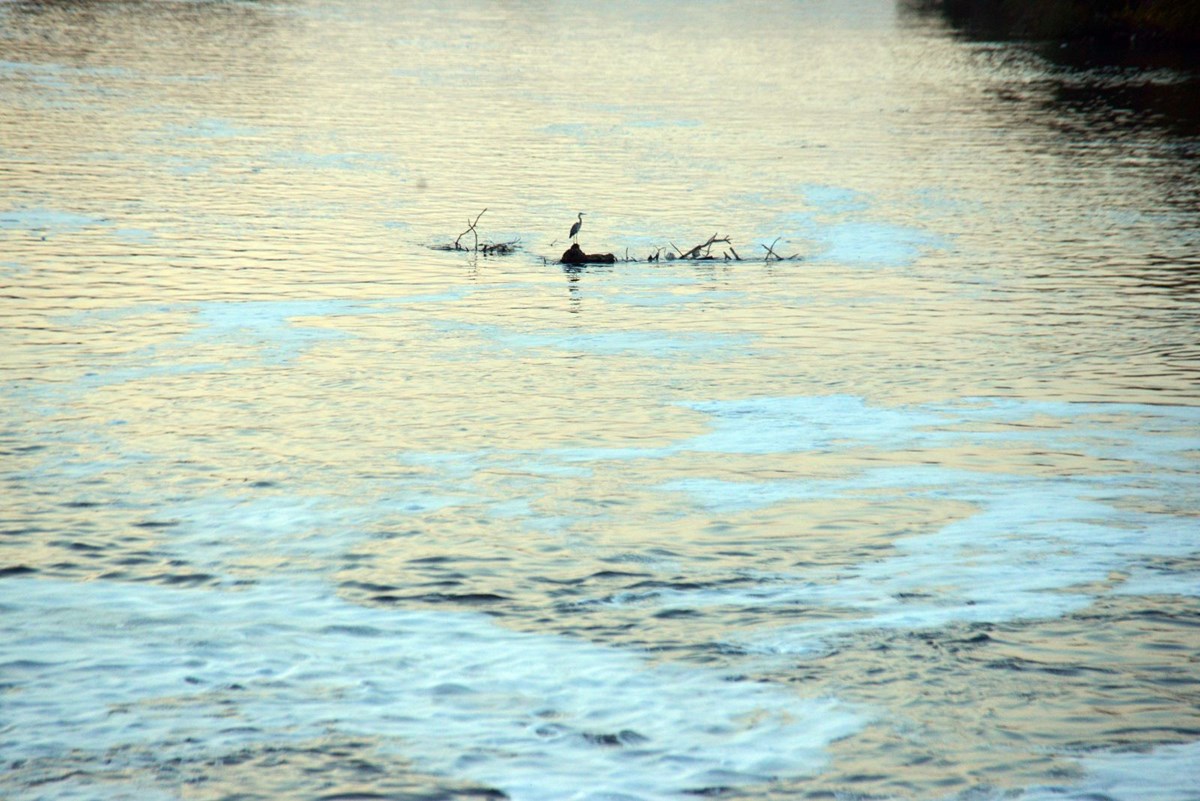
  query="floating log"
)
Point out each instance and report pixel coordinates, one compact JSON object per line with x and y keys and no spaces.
{"x":575,"y":255}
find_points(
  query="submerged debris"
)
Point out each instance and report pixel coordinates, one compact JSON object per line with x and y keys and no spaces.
{"x":703,"y":252}
{"x":487,"y":248}
{"x":700,"y":252}
{"x":576,"y":256}
{"x":772,"y":254}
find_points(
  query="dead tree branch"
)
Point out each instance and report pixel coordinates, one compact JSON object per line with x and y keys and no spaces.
{"x":470,"y":230}
{"x":703,"y":250}
{"x":771,"y":251}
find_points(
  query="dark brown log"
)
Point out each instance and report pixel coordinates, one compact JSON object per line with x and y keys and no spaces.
{"x":575,"y":255}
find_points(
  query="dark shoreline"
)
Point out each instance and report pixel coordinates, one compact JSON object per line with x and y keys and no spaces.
{"x":1123,"y":23}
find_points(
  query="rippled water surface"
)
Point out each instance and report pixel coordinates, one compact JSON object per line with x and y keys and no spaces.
{"x":297,"y":505}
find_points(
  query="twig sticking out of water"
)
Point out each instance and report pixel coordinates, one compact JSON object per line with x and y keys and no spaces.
{"x":771,"y":251}
{"x":470,"y":230}
{"x":487,"y":248}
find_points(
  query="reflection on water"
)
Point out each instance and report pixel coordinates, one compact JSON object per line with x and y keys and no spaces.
{"x":298,"y":506}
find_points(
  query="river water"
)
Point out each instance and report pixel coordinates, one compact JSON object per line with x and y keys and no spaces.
{"x":297,"y":505}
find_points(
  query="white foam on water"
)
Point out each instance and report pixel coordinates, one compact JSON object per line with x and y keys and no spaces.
{"x":1032,"y":543}
{"x":85,"y":788}
{"x":262,"y":332}
{"x":1149,"y":581}
{"x":41,"y":220}
{"x":804,"y":423}
{"x":875,"y":243}
{"x":223,"y":534}
{"x":699,"y":344}
{"x":718,"y":495}
{"x":103,"y":668}
{"x":1166,"y":773}
{"x":834,"y":199}
{"x":269,"y":326}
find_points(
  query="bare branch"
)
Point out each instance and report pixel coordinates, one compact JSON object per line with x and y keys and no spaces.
{"x":470,"y":230}
{"x":771,"y":251}
{"x":704,"y":247}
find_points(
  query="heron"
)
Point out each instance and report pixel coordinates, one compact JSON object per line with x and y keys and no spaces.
{"x":575,"y":228}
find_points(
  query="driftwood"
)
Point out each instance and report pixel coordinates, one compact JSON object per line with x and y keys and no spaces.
{"x":500,"y":248}
{"x":487,"y":248}
{"x":575,"y":255}
{"x":700,"y":252}
{"x":703,"y":252}
{"x":470,"y":230}
{"x":771,"y":253}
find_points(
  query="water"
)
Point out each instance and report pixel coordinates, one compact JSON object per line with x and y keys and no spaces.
{"x":298,"y":506}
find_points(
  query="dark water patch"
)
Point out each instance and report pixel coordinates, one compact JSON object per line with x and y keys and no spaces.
{"x":355,"y":631}
{"x":1185,"y":617}
{"x":85,"y":547}
{"x":16,"y":570}
{"x":600,"y":575}
{"x":613,"y":574}
{"x":137,"y":559}
{"x":156,"y":524}
{"x":971,"y":641}
{"x":388,"y":534}
{"x":367,"y":586}
{"x":678,"y":585}
{"x":1128,"y":735}
{"x":617,"y":599}
{"x":26,"y":664}
{"x":332,"y":769}
{"x":467,"y":598}
{"x":451,"y":688}
{"x":1030,"y":666}
{"x":458,"y":581}
{"x":623,"y":738}
{"x":81,"y":504}
{"x":236,"y":758}
{"x":672,"y":614}
{"x":180,"y":579}
{"x":433,"y":560}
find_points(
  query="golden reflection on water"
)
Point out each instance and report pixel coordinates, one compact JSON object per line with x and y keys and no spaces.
{"x":222,"y":322}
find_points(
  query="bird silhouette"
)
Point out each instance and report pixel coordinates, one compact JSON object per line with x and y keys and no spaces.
{"x":575,"y":228}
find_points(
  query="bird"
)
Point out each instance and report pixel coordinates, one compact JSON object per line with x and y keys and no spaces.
{"x":575,"y":228}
